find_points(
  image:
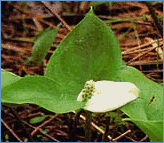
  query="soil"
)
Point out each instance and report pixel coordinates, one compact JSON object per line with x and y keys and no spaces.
{"x":21,"y":21}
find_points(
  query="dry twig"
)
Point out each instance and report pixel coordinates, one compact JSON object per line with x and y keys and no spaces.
{"x":40,"y":130}
{"x":43,"y":124}
{"x":45,"y":3}
{"x":12,"y":132}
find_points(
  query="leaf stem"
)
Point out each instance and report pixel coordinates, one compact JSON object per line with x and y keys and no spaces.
{"x":105,"y":135}
{"x":88,"y":127}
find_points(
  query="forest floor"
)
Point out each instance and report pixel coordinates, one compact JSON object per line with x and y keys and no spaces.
{"x":134,"y":27}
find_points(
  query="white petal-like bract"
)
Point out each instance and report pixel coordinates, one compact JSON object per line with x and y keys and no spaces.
{"x":109,"y":95}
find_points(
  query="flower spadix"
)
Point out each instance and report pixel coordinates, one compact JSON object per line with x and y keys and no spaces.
{"x":103,"y":96}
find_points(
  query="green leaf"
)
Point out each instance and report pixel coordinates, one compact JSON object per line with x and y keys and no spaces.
{"x":154,"y":110}
{"x":151,"y":2}
{"x":41,"y":91}
{"x":96,"y":3}
{"x":42,"y":33}
{"x":38,"y":119}
{"x":90,"y":51}
{"x":45,"y":130}
{"x":7,"y":78}
{"x":153,"y":128}
{"x":145,"y":111}
{"x":42,"y":43}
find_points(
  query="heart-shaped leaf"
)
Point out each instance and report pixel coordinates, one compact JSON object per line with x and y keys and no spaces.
{"x":90,"y":51}
{"x":41,"y":91}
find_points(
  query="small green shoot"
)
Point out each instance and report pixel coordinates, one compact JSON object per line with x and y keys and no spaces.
{"x":38,"y":119}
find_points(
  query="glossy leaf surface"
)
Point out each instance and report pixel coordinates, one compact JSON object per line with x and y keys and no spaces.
{"x":7,"y":78}
{"x":90,"y":51}
{"x":146,"y":112}
{"x":41,"y":91}
{"x":152,"y":128}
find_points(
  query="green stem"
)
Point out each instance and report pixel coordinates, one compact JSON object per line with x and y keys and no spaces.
{"x":105,"y":138}
{"x":88,"y":127}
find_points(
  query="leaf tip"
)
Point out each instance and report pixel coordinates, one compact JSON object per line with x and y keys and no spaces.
{"x":91,"y":10}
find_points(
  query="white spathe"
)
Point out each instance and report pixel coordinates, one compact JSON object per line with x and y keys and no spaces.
{"x":109,"y":95}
